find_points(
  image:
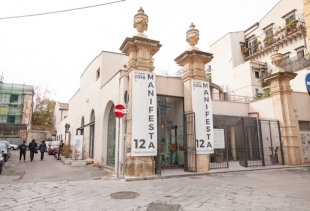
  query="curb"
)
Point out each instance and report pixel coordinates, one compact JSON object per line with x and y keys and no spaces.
{"x":207,"y":173}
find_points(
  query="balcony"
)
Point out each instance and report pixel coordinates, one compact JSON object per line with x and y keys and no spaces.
{"x":280,"y":38}
{"x":295,"y":64}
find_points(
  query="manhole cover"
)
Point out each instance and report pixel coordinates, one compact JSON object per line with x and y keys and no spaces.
{"x":161,"y":207}
{"x":124,"y":195}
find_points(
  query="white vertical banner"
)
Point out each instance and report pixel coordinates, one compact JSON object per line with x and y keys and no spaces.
{"x":144,"y":114}
{"x":202,"y":106}
{"x":77,"y":141}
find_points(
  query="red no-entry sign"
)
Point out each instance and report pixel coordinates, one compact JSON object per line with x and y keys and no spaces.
{"x":118,"y":110}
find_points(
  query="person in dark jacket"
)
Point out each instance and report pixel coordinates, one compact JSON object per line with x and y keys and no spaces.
{"x":22,"y":151}
{"x":61,"y":145}
{"x":32,"y":149}
{"x":42,"y":149}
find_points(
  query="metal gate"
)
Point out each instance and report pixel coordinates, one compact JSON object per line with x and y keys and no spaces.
{"x":259,"y":142}
{"x":190,"y":158}
{"x":219,"y":159}
{"x":158,"y":157}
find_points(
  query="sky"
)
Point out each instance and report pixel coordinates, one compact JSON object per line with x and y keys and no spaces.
{"x":54,"y":50}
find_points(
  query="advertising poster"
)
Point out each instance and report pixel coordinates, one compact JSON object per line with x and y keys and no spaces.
{"x":144,"y":114}
{"x":77,"y":143}
{"x":219,"y":140}
{"x":202,"y":106}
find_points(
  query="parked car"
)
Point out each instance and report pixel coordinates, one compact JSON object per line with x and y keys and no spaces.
{"x":37,"y":142}
{"x":52,"y":147}
{"x":5,"y":150}
{"x":13,"y":146}
{"x":1,"y":161}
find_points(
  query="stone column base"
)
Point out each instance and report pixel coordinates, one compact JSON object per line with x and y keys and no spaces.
{"x":140,"y":166}
{"x":291,"y":155}
{"x":203,"y":163}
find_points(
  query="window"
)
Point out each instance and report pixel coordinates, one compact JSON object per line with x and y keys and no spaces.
{"x":290,"y":19}
{"x":252,"y":46}
{"x":13,"y":98}
{"x":256,"y":74}
{"x":11,"y":119}
{"x":98,"y":73}
{"x":269,"y":36}
{"x":304,"y":125}
{"x":300,"y":53}
{"x":285,"y":57}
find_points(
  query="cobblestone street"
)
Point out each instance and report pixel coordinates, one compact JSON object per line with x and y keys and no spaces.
{"x":278,"y":189}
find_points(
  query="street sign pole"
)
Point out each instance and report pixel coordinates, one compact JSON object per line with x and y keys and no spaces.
{"x":126,"y":100}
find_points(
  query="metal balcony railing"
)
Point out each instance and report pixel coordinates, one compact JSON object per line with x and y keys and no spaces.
{"x":232,"y":98}
{"x":295,"y":64}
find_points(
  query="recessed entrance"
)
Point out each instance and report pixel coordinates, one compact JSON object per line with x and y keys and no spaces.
{"x":170,"y":126}
{"x":111,"y":138}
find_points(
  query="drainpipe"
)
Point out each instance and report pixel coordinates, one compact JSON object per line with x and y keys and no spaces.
{"x":257,"y":114}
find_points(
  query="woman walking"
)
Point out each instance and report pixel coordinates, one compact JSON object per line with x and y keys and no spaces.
{"x":42,"y":149}
{"x":32,"y":148}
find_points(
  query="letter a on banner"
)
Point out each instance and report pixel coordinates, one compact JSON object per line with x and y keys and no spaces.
{"x":144,"y":114}
{"x":202,"y":106}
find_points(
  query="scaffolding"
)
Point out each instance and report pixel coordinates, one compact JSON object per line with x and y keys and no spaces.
{"x":12,"y":105}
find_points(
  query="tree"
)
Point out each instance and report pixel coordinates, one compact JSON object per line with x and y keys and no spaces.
{"x":43,"y":106}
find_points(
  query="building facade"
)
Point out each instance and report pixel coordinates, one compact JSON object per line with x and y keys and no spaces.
{"x":163,"y":124}
{"x":15,"y":111}
{"x":248,"y":52}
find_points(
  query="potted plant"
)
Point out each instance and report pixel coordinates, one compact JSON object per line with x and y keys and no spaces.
{"x":66,"y":153}
{"x":78,"y":156}
{"x":244,"y":49}
{"x":274,"y":154}
{"x":219,"y":155}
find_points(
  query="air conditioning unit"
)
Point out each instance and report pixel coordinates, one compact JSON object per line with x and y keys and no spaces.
{"x":259,"y":91}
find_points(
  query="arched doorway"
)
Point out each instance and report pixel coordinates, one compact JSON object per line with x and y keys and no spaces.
{"x":92,"y":134}
{"x":111,"y":138}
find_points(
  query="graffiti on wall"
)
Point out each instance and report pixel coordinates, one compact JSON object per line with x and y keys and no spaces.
{"x":305,"y":145}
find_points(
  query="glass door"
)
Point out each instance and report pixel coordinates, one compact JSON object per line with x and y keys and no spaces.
{"x":170,"y":110}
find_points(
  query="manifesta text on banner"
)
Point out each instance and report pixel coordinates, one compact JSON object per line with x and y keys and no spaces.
{"x":144,"y":114}
{"x":201,"y":101}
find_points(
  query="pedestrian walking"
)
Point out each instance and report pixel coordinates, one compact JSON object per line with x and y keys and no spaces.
{"x":42,"y":149}
{"x":32,"y":149}
{"x":22,"y":151}
{"x":60,"y":149}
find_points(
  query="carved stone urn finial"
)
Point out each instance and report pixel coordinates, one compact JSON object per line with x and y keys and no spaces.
{"x":192,"y":37}
{"x":140,"y":22}
{"x":276,"y":59}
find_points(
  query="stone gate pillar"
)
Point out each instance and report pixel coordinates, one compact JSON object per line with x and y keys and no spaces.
{"x":281,"y":94}
{"x":140,"y":51}
{"x":193,"y":61}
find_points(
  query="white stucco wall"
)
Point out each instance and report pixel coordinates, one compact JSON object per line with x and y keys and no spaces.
{"x":221,"y":64}
{"x":170,"y":86}
{"x":301,"y":102}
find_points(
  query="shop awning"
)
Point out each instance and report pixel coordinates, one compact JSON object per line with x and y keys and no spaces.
{"x":12,"y":126}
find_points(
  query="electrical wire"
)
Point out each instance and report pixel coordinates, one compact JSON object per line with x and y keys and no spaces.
{"x":68,"y":10}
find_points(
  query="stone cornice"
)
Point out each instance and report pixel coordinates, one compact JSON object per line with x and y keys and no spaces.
{"x":280,"y":75}
{"x":194,"y":54}
{"x":136,"y":41}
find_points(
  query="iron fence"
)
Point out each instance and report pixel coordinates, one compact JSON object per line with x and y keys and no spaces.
{"x":232,"y":98}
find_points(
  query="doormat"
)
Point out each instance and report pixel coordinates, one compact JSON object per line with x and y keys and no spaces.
{"x":161,"y":207}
